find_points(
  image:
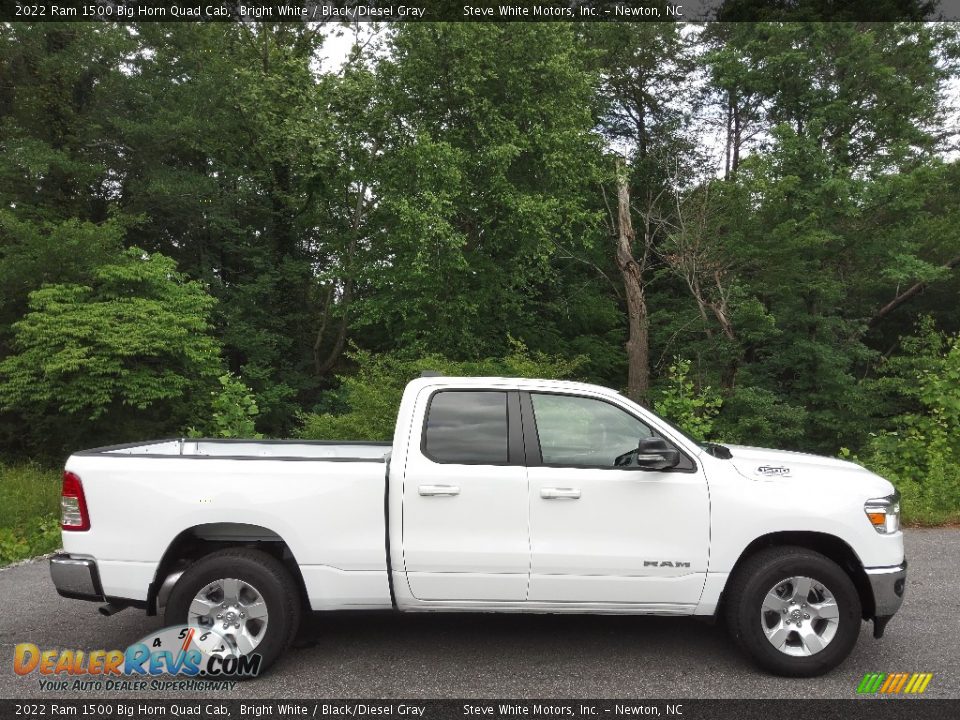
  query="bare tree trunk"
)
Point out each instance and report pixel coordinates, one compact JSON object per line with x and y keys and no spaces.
{"x":638,"y":322}
{"x":719,"y":308}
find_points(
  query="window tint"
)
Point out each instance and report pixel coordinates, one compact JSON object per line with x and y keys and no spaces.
{"x":467,"y":427}
{"x":582,"y":431}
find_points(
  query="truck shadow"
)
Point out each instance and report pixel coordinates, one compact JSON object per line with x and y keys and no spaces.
{"x":510,"y":655}
{"x":429,"y":632}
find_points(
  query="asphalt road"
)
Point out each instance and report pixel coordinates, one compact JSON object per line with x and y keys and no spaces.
{"x":522,"y":656}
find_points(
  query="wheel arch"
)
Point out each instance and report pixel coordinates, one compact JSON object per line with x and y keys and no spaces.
{"x":199,"y":541}
{"x":831,"y":546}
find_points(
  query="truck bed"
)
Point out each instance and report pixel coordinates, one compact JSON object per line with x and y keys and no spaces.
{"x":325,"y":500}
{"x":251,"y":449}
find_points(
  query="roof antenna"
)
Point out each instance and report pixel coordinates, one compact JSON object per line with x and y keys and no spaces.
{"x":430,"y":373}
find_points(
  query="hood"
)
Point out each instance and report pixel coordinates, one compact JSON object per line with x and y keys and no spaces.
{"x":763,"y":464}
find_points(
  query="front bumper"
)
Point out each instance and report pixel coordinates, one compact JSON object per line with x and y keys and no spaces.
{"x":889,"y":584}
{"x":76,"y":578}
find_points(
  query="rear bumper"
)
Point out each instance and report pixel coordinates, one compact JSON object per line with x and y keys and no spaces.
{"x":76,"y":578}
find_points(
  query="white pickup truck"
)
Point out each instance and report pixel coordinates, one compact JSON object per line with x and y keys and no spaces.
{"x":497,"y":495}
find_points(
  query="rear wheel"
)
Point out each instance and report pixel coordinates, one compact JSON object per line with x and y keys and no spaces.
{"x":794,"y":611}
{"x":245,"y":596}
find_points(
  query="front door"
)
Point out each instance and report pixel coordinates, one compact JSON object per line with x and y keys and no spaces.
{"x":465,"y":533}
{"x":600,"y":533}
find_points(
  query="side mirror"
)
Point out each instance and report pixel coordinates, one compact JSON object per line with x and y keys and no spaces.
{"x":655,"y":453}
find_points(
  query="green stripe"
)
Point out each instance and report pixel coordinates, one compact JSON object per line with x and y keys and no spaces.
{"x":871,"y":682}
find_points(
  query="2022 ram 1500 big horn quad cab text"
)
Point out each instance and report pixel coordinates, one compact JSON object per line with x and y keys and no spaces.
{"x":497,"y":495}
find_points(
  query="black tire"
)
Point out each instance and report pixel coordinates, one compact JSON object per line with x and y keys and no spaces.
{"x":748,"y":590}
{"x":258,"y":569}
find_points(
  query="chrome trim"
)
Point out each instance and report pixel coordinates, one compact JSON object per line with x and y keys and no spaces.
{"x":75,"y":577}
{"x":560,"y":493}
{"x":885,"y":581}
{"x":438,"y":490}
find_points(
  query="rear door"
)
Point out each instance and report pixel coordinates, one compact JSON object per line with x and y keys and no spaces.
{"x":465,"y":505}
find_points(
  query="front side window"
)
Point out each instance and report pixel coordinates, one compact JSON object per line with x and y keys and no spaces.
{"x":581,"y":431}
{"x":467,"y":427}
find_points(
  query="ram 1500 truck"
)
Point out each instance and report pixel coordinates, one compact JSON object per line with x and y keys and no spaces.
{"x":496,"y":495}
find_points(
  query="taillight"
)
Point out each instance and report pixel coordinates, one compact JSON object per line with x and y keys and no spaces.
{"x":73,"y":505}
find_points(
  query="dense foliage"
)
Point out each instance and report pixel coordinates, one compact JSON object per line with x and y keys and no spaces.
{"x":364,"y":407}
{"x":920,"y":452}
{"x":125,"y":355}
{"x":198,"y":222}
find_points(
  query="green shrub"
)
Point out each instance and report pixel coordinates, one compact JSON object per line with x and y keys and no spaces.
{"x":920,"y":453}
{"x":233,"y":412}
{"x":757,"y":416}
{"x":42,"y":537}
{"x":691,"y":408}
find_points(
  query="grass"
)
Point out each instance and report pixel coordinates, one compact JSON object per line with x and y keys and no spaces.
{"x":29,"y":511}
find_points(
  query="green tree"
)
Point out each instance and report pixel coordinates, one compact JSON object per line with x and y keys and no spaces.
{"x":481,"y":180}
{"x":456,"y":190}
{"x":123,"y":356}
{"x":57,"y":145}
{"x":846,"y":112}
{"x":643,"y":74}
{"x":36,"y":253}
{"x":58,"y":155}
{"x":229,"y":152}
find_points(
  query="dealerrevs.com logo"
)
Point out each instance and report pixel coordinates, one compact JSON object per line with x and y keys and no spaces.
{"x":182,"y":652}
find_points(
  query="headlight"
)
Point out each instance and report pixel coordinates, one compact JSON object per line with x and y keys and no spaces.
{"x":884,"y":513}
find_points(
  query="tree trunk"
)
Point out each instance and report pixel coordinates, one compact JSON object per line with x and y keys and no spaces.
{"x":900,"y":299}
{"x":737,"y":139}
{"x":322,"y":367}
{"x":728,"y":153}
{"x":325,"y":366}
{"x":638,"y":323}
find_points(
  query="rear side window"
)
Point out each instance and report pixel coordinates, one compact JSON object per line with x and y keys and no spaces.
{"x":469,"y":428}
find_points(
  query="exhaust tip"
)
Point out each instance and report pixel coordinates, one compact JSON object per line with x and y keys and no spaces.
{"x":110,"y":609}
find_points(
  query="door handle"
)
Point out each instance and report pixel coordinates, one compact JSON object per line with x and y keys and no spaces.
{"x":560,"y":493}
{"x":435,"y":490}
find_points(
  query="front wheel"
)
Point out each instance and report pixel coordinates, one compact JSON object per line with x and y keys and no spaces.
{"x":794,"y":611}
{"x":245,"y":596}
